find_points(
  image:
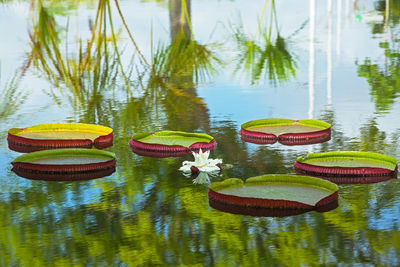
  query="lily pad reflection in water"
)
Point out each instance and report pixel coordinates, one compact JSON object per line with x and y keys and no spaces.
{"x":267,"y":212}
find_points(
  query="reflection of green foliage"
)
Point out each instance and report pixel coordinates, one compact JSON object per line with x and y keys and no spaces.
{"x":149,"y":214}
{"x":266,"y":58}
{"x":57,"y":7}
{"x":270,"y":59}
{"x":391,"y":19}
{"x":10,"y":97}
{"x":183,"y":57}
{"x":384,"y":82}
{"x":89,"y":73}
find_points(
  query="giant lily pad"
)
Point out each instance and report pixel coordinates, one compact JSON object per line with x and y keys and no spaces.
{"x":275,"y":191}
{"x":59,"y":135}
{"x":170,"y":143}
{"x":65,"y":164}
{"x":287,"y":132}
{"x":348,"y":166}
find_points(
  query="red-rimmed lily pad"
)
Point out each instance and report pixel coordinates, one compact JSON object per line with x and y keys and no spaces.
{"x":65,"y":164}
{"x":282,"y":191}
{"x":287,"y":132}
{"x":348,"y":166}
{"x":59,"y":135}
{"x":170,"y":143}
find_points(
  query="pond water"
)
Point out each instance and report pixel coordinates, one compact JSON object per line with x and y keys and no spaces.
{"x":198,"y":66}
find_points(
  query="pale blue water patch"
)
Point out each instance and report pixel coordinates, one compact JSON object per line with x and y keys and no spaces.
{"x":9,"y":182}
{"x":387,"y":218}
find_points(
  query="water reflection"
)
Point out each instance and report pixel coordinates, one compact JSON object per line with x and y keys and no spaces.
{"x":12,"y":97}
{"x":63,"y":176}
{"x":88,"y":75}
{"x":383,"y":78}
{"x":146,"y":213}
{"x":264,"y":56}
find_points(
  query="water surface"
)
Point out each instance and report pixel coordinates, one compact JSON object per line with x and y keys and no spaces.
{"x":336,"y":61}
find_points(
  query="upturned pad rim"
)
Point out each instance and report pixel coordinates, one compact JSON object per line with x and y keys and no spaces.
{"x":78,"y":152}
{"x":301,"y":165}
{"x":273,"y":179}
{"x":288,"y":138}
{"x":23,"y":144}
{"x":164,"y":150}
{"x":63,"y":126}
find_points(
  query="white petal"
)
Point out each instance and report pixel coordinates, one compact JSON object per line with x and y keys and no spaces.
{"x":185,"y":168}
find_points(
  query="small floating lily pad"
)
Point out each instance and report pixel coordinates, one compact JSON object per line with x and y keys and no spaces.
{"x":348,"y":166}
{"x":65,"y":164}
{"x":59,"y":135}
{"x":170,"y":143}
{"x":287,"y":132}
{"x":275,"y":191}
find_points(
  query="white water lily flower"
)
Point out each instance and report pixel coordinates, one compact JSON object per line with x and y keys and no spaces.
{"x":202,"y":163}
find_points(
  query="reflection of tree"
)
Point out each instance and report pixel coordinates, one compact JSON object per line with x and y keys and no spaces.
{"x":86,"y":74}
{"x":177,"y":68}
{"x":384,"y":81}
{"x":390,"y":9}
{"x":267,"y":58}
{"x":149,"y":214}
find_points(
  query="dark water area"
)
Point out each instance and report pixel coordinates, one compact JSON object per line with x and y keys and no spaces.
{"x":206,"y":67}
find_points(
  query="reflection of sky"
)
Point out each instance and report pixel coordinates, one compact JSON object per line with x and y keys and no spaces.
{"x":388,"y":218}
{"x":351,"y":100}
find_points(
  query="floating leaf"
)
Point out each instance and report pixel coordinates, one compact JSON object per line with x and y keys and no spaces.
{"x":65,"y":164}
{"x":287,"y":132}
{"x":275,"y":191}
{"x":348,"y":166}
{"x":59,"y":135}
{"x":170,"y":143}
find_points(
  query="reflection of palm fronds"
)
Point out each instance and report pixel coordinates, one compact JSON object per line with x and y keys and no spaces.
{"x":276,"y":61}
{"x":269,"y":58}
{"x":170,"y":89}
{"x":87,"y":73}
{"x":177,"y":67}
{"x":184,"y":57}
{"x":11,"y":98}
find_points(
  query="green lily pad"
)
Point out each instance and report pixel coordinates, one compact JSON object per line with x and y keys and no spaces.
{"x":59,"y":135}
{"x":287,"y":132}
{"x":173,"y":139}
{"x":347,"y":164}
{"x":170,"y":143}
{"x":275,"y":190}
{"x":65,"y":164}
